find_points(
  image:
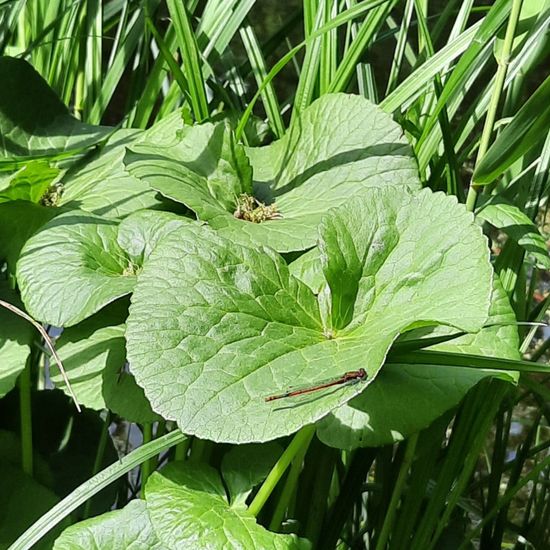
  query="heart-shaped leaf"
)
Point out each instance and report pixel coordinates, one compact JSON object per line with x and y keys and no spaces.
{"x":215,"y":327}
{"x":185,"y":499}
{"x":79,"y":262}
{"x":126,"y":528}
{"x":340,"y":146}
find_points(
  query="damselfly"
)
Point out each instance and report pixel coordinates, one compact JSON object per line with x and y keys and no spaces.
{"x":348,"y":378}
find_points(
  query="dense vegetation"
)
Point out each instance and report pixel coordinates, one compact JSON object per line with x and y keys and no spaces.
{"x":274,"y":276}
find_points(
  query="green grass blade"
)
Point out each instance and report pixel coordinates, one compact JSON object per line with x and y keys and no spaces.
{"x":215,"y":33}
{"x":146,"y":103}
{"x":310,"y":66}
{"x":269,"y":98}
{"x":91,"y":487}
{"x":166,"y":52}
{"x":448,"y":359}
{"x":484,"y":37}
{"x":92,"y":57}
{"x":527,"y":129}
{"x":415,"y":84}
{"x":448,"y":145}
{"x":329,"y":51}
{"x":399,"y":52}
{"x":191,"y":59}
{"x":129,"y":44}
{"x":121,"y":26}
{"x":369,"y":28}
{"x":366,"y":82}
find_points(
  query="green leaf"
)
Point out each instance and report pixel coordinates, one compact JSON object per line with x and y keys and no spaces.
{"x":403,"y":267}
{"x":407,"y":398}
{"x":33,"y":121}
{"x":20,"y":220}
{"x":29,"y":183}
{"x":126,"y":528}
{"x":309,"y":270}
{"x":102,"y":185}
{"x":23,"y":502}
{"x":244,"y":466}
{"x":16,"y":336}
{"x":528,"y":128}
{"x":205,"y":169}
{"x":518,"y":226}
{"x":94,"y":356}
{"x":215,"y":327}
{"x":185,"y":499}
{"x":79,"y":262}
{"x":340,"y":146}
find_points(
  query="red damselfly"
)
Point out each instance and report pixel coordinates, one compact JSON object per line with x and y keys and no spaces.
{"x":351,"y":377}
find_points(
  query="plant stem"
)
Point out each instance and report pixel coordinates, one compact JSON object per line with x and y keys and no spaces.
{"x":351,"y":489}
{"x":99,"y":458}
{"x":181,"y":449}
{"x":288,"y":490}
{"x":300,"y":440}
{"x":146,"y":466}
{"x":495,"y":97}
{"x":324,"y":473}
{"x":25,"y":410}
{"x":397,"y":490}
{"x":201,"y":449}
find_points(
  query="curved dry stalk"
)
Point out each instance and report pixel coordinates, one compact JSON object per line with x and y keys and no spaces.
{"x":49,"y":343}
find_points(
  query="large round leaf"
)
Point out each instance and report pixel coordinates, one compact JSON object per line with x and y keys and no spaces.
{"x":215,"y":326}
{"x":126,"y":528}
{"x":79,"y":262}
{"x":407,"y":398}
{"x":338,"y":147}
{"x":189,"y":509}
